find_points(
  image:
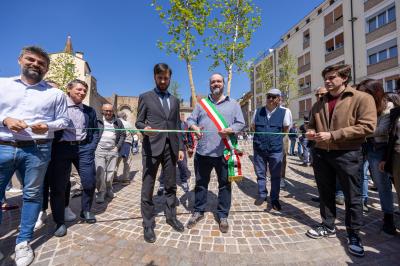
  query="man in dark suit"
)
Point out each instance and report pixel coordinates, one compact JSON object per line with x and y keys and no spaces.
{"x":158,"y":109}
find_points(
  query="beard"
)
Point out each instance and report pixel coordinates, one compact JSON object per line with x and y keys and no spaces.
{"x":32,"y":74}
{"x":216,"y":91}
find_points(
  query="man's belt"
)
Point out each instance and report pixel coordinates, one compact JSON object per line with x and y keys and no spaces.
{"x":24,"y":143}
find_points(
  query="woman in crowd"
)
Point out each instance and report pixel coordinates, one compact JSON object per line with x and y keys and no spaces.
{"x":375,"y":149}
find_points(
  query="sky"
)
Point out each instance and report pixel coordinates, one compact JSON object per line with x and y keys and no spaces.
{"x":119,"y":37}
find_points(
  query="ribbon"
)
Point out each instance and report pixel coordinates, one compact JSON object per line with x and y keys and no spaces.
{"x":232,"y":152}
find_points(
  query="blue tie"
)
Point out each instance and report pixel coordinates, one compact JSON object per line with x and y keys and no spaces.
{"x":165,"y":103}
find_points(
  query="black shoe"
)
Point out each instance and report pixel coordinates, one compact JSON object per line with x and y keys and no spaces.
{"x":276,"y":205}
{"x":194,"y":219}
{"x":174,"y":223}
{"x":88,"y":217}
{"x":354,"y":246}
{"x":223,"y":225}
{"x":61,"y":230}
{"x":320,"y":231}
{"x":259,"y":201}
{"x":149,"y":235}
{"x":315,"y":199}
{"x":388,"y":224}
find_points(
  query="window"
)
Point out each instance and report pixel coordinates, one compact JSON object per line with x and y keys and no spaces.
{"x":308,"y":20}
{"x":319,"y":11}
{"x":333,"y":16}
{"x":338,"y":13}
{"x":391,"y":14}
{"x":393,"y":51}
{"x":390,"y":85}
{"x":381,"y":19}
{"x":382,"y":55}
{"x":334,"y":43}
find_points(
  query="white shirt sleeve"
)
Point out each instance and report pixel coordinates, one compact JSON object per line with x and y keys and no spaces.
{"x":287,"y":120}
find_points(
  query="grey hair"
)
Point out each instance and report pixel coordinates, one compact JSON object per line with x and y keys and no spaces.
{"x":36,"y":50}
{"x":122,"y":115}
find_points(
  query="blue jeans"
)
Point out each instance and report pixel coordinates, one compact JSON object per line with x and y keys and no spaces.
{"x":364,"y":174}
{"x":31,"y":162}
{"x":306,"y":152}
{"x":381,"y":179}
{"x":293,"y":145}
{"x":273,"y":160}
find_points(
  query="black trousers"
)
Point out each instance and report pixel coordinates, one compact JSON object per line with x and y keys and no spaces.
{"x":345,"y":165}
{"x":59,"y":171}
{"x":168,"y":160}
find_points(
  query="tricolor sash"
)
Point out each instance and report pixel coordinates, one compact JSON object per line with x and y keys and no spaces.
{"x":231,"y":153}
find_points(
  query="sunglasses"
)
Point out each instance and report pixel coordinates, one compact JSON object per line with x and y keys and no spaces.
{"x":319,"y":94}
{"x":270,"y":96}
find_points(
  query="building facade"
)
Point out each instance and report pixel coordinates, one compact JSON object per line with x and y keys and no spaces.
{"x":362,"y":33}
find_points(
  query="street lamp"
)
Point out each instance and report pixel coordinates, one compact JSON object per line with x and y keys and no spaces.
{"x":274,"y":63}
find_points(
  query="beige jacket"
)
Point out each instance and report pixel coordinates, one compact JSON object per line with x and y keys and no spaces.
{"x":353,"y":118}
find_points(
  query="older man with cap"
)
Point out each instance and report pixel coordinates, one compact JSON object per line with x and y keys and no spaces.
{"x":268,"y":148}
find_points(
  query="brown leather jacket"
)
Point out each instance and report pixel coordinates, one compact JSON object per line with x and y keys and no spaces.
{"x":353,"y":118}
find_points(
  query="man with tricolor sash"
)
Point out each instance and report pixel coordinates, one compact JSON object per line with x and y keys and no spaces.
{"x":216,"y":119}
{"x":270,"y":122}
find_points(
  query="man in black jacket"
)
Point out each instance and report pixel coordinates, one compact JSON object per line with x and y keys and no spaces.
{"x":112,"y":137}
{"x":158,"y":109}
{"x":74,"y":145}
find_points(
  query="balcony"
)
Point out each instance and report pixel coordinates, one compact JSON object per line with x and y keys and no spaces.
{"x":303,"y":68}
{"x":382,"y":66}
{"x":332,"y":27}
{"x":335,"y":53}
{"x":388,"y":28}
{"x":304,"y":90}
{"x":371,"y":3}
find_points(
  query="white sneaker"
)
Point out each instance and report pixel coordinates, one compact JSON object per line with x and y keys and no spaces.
{"x":41,"y":219}
{"x":14,"y":190}
{"x":69,"y":215}
{"x":23,"y":254}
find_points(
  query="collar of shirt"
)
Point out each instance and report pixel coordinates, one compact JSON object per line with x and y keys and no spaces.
{"x":212,"y":100}
{"x":71,"y":103}
{"x":161,"y":93}
{"x":41,"y":83}
{"x":111,"y":122}
{"x":270,"y":112}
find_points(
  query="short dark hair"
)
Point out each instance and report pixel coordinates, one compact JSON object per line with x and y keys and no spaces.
{"x":72,"y":83}
{"x":36,"y":50}
{"x":343,"y":70}
{"x":161,"y":68}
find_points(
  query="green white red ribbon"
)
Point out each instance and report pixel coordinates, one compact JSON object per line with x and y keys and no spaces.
{"x":232,"y":152}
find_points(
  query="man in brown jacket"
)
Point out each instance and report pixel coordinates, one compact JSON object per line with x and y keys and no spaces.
{"x":339,"y":124}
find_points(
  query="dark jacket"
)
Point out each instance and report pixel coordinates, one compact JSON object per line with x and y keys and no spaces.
{"x":120,"y":134}
{"x":151,"y":113}
{"x":394,"y":117}
{"x":92,"y":135}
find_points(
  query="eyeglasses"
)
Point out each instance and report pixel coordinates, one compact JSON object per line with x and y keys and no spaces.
{"x":107,"y":111}
{"x":319,"y":94}
{"x":269,"y":96}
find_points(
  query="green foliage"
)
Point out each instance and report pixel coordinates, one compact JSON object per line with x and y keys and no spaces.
{"x":185,"y":19}
{"x":174,"y":89}
{"x":62,"y":70}
{"x":233,"y":26}
{"x":288,"y":74}
{"x":265,"y":72}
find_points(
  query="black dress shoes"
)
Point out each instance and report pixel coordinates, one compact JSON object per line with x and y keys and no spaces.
{"x":88,"y":217}
{"x":276,"y":205}
{"x":61,"y":230}
{"x":259,"y":201}
{"x":149,"y":235}
{"x":174,"y":223}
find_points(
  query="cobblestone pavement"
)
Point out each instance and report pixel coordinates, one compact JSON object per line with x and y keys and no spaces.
{"x":257,"y":235}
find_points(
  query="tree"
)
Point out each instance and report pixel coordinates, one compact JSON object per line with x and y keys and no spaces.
{"x":265,"y":72}
{"x":287,"y":75}
{"x":233,"y":27}
{"x":62,"y":70}
{"x":174,"y":89}
{"x":185,"y":20}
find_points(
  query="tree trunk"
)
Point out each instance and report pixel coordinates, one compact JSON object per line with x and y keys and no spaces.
{"x":192,"y":88}
{"x":229,"y":81}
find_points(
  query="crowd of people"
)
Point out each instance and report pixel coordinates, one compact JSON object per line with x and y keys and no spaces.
{"x":44,"y":132}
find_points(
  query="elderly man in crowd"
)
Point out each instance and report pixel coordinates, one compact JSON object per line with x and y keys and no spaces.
{"x":112,"y":137}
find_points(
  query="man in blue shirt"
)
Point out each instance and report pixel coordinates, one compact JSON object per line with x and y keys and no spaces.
{"x":268,"y":148}
{"x":30,"y":111}
{"x":210,"y":151}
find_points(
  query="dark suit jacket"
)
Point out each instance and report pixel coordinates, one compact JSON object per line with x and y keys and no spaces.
{"x":151,"y":113}
{"x":92,"y":136}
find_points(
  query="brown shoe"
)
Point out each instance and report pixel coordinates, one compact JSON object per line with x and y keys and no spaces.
{"x":223,"y":225}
